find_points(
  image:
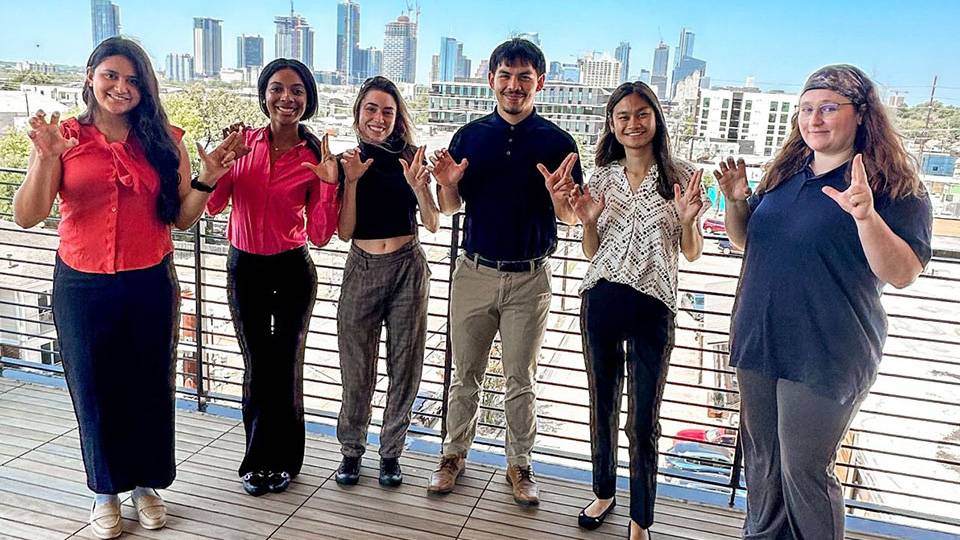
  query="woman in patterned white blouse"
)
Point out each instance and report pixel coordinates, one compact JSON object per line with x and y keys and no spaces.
{"x":641,"y":208}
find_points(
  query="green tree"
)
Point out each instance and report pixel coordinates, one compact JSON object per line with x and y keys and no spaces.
{"x":203,"y":112}
{"x":14,"y":153}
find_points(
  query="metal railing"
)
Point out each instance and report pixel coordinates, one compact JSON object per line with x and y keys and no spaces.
{"x":902,"y":453}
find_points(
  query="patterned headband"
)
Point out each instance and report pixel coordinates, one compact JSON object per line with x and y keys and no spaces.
{"x":844,"y":79}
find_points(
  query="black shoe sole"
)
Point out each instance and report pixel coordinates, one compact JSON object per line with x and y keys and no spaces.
{"x":256,"y":492}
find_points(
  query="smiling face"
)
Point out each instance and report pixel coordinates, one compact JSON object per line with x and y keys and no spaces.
{"x":378,"y":115}
{"x":116,"y":85}
{"x":830,"y":133}
{"x":286,"y":97}
{"x":633,"y":122}
{"x":515,"y":88}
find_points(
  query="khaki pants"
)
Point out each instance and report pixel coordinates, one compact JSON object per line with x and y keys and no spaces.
{"x":482,"y":301}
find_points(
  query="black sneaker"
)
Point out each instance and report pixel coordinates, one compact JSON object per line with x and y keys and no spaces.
{"x":255,"y":483}
{"x":390,"y":473}
{"x":278,"y":482}
{"x":348,"y":473}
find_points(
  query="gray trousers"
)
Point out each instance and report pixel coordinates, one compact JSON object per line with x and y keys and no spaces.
{"x":484,"y":301}
{"x":389,"y":289}
{"x":790,"y":436}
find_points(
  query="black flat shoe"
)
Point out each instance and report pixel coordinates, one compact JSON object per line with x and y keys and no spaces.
{"x":590,"y":523}
{"x":390,"y":473}
{"x":348,"y":473}
{"x":255,"y":483}
{"x":278,"y":482}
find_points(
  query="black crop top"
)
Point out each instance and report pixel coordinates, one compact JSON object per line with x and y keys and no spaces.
{"x":386,"y":205}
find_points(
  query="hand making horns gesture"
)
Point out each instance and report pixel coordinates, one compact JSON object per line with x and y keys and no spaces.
{"x":326,"y":170}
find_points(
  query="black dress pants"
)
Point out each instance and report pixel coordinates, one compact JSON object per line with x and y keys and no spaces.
{"x":271,"y":300}
{"x":622,"y":327}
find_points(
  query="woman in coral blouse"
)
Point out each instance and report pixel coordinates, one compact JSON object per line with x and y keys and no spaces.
{"x":123,"y":178}
{"x":279,"y":201}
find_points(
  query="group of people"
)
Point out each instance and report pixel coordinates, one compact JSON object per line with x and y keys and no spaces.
{"x":839,"y":213}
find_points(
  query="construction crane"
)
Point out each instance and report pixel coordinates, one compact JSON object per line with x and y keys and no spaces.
{"x":413,"y":7}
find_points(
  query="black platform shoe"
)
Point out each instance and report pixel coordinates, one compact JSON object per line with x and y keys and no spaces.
{"x":390,"y":473}
{"x":278,"y":482}
{"x":255,"y":483}
{"x":348,"y":473}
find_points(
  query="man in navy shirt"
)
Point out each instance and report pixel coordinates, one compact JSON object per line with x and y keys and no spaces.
{"x":513,"y":170}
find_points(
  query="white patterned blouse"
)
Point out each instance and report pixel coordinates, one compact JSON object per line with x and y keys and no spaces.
{"x":639,"y":233}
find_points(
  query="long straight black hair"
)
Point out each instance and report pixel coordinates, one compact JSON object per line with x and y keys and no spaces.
{"x":147,"y":120}
{"x":609,"y":148}
{"x":306,"y":77}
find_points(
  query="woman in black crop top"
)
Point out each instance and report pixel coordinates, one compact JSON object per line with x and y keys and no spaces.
{"x":384,"y":181}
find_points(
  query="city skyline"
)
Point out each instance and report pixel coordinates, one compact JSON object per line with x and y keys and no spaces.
{"x":757,"y":49}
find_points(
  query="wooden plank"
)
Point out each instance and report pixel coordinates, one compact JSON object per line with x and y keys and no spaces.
{"x":28,"y":532}
{"x":40,"y":513}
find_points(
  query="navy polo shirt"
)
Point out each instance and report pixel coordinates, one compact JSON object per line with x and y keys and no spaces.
{"x":808,"y":306}
{"x":509,"y":213}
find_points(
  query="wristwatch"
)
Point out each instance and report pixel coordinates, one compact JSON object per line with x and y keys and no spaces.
{"x":200,"y":186}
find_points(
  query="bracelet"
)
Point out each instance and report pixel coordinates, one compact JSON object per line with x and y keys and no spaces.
{"x":196,"y":184}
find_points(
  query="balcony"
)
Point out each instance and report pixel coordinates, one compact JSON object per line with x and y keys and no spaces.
{"x":900,"y":464}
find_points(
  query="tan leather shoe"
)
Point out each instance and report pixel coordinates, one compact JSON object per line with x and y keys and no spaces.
{"x":445,"y":476}
{"x":525,"y":490}
{"x":151,"y":511}
{"x":105,"y":520}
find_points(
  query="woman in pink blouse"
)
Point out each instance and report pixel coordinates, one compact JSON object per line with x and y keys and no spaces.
{"x":641,"y":209}
{"x":279,"y":201}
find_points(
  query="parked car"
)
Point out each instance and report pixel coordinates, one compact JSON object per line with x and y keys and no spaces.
{"x":697,"y":465}
{"x":727,"y":247}
{"x":710,"y":435}
{"x":714,"y":226}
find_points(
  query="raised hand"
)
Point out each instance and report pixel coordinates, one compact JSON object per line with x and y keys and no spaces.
{"x":216,"y":164}
{"x":353,"y":167}
{"x":560,"y":182}
{"x":46,"y":136}
{"x":447,"y":171}
{"x":416,"y":173}
{"x":326,"y":170}
{"x":691,"y":204}
{"x":234,"y":127}
{"x":856,"y":200}
{"x":585,"y":207}
{"x":732,"y":178}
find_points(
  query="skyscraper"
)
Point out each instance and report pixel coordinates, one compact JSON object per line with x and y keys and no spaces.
{"x":658,"y":79}
{"x":249,"y":51}
{"x":207,"y":46}
{"x":623,"y":55}
{"x":463,"y":63}
{"x":451,"y":59}
{"x":105,"y":17}
{"x":400,"y":50}
{"x":435,"y":68}
{"x":348,"y":40}
{"x":366,"y":63}
{"x":684,"y":47}
{"x":294,"y":38}
{"x":179,"y":67}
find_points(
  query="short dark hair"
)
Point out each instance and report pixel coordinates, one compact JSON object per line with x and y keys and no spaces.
{"x":518,"y":50}
{"x":306,"y":76}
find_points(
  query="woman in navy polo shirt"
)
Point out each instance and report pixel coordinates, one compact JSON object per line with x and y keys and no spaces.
{"x":840,"y":212}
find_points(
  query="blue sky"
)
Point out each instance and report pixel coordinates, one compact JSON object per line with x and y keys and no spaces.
{"x":901,"y":44}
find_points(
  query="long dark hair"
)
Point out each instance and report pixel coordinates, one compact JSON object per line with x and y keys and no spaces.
{"x":147,"y":120}
{"x":609,"y":148}
{"x":306,"y":77}
{"x":402,"y":136}
{"x":891,"y":171}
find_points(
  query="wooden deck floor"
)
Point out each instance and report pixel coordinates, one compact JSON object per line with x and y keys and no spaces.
{"x":43,"y":493}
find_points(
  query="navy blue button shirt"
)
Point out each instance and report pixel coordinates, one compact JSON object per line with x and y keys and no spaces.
{"x":509,"y":213}
{"x":808,"y":306}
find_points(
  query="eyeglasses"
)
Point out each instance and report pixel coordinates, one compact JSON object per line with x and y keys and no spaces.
{"x":826,"y":109}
